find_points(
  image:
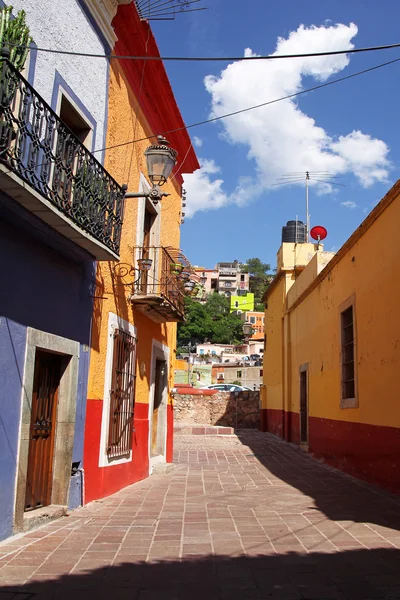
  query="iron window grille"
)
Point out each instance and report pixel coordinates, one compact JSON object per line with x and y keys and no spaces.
{"x":122,"y":395}
{"x":348,"y":374}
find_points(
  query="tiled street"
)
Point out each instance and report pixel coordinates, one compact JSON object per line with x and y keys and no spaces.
{"x":234,"y":518}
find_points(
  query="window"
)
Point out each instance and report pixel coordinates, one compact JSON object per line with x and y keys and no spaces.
{"x":73,"y":119}
{"x":201,"y":350}
{"x":220,"y":376}
{"x":252,"y":320}
{"x":261,"y":372}
{"x":347,"y":356}
{"x":239,"y":374}
{"x":242,"y":278}
{"x":236,"y":303}
{"x":122,"y":395}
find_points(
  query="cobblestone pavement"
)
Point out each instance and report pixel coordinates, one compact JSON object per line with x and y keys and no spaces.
{"x":235,"y":518}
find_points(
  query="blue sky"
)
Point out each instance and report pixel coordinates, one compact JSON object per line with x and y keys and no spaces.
{"x":349,"y":129}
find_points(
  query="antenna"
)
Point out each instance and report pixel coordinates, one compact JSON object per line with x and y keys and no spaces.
{"x":300,"y":176}
{"x":164,"y":10}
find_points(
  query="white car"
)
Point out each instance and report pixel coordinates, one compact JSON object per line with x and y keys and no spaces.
{"x":228,"y":387}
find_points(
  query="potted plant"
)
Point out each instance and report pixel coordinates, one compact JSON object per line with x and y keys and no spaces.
{"x":14,"y":48}
{"x":176,"y":268}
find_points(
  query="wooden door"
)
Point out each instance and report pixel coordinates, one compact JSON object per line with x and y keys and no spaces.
{"x":43,"y":424}
{"x":303,"y":408}
{"x":159,"y":388}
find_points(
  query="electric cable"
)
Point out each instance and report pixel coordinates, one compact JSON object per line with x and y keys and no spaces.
{"x":249,"y":108}
{"x":211,"y":58}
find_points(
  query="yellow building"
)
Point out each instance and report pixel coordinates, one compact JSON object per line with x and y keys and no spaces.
{"x":332,"y":353}
{"x":129,"y":423}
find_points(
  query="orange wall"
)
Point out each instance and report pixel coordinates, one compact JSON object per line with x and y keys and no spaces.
{"x":125,"y":164}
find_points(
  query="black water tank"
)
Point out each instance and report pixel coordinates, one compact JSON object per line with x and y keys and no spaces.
{"x":294,"y":231}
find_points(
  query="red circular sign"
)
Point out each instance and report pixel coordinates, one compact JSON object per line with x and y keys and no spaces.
{"x":318,"y":232}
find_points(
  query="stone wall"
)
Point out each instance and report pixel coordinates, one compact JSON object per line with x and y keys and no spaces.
{"x":239,"y":409}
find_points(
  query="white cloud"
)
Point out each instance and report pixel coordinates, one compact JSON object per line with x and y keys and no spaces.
{"x":198,"y":142}
{"x":203,"y":191}
{"x":280,"y":137}
{"x":349,"y":204}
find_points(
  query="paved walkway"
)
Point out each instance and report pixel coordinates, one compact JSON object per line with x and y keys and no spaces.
{"x":244,"y":518}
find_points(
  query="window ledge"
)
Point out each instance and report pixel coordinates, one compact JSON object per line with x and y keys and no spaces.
{"x":349,"y":403}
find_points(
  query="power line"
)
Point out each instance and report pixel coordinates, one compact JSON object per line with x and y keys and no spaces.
{"x":211,"y":58}
{"x":244,"y":110}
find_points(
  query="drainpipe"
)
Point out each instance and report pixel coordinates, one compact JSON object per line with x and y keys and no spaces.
{"x":82,"y":472}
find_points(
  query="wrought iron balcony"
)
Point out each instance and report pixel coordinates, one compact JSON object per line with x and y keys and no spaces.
{"x":159,"y":293}
{"x":44,"y":167}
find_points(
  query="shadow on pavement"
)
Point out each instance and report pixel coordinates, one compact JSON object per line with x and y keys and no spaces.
{"x":361,"y":574}
{"x":339,"y":496}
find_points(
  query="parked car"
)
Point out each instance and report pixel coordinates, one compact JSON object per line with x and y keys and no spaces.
{"x":255,"y":357}
{"x":228,"y":387}
{"x":179,"y":357}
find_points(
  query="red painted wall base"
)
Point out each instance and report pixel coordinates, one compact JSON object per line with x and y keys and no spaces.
{"x":369,"y":452}
{"x":170,"y":433}
{"x":104,"y":481}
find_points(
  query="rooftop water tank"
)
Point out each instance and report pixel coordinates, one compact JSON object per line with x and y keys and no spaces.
{"x":294,"y":231}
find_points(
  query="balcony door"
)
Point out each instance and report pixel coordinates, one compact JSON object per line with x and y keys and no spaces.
{"x":67,"y":151}
{"x":148,"y":222}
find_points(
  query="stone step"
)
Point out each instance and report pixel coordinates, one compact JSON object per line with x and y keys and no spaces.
{"x":182,"y":429}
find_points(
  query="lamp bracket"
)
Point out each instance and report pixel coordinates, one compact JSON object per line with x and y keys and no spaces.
{"x":154,"y":194}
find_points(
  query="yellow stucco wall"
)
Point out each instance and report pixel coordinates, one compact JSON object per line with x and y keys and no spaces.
{"x":272,"y":395}
{"x":369,"y":270}
{"x":125,"y":164}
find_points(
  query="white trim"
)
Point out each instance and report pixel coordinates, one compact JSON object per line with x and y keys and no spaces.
{"x":162,"y":352}
{"x":65,"y":417}
{"x":103,"y":12}
{"x":144,"y":186}
{"x":114,"y":322}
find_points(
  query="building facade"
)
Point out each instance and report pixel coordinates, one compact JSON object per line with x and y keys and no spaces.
{"x":248,"y":376}
{"x":129,"y":423}
{"x":54,"y":226}
{"x":331,"y":359}
{"x":226,"y":279}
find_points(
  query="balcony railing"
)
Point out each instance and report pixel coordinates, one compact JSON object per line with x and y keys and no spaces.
{"x":159,"y":292}
{"x":38,"y":148}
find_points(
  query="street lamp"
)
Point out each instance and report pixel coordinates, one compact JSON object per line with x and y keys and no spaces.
{"x":160,"y":159}
{"x":247,"y":329}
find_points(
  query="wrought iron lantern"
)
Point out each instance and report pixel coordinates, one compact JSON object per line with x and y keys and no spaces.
{"x":145,"y":264}
{"x":161,"y":159}
{"x":247,"y":329}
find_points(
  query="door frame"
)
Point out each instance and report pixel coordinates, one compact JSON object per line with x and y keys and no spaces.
{"x":304,"y":369}
{"x":159,"y":351}
{"x":65,"y":419}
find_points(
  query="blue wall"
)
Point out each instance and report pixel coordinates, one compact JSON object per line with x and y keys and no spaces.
{"x":46,"y":283}
{"x":12,"y":355}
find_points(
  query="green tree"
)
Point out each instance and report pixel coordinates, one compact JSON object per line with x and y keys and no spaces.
{"x":212,"y":322}
{"x":197,"y":325}
{"x":260,"y":277}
